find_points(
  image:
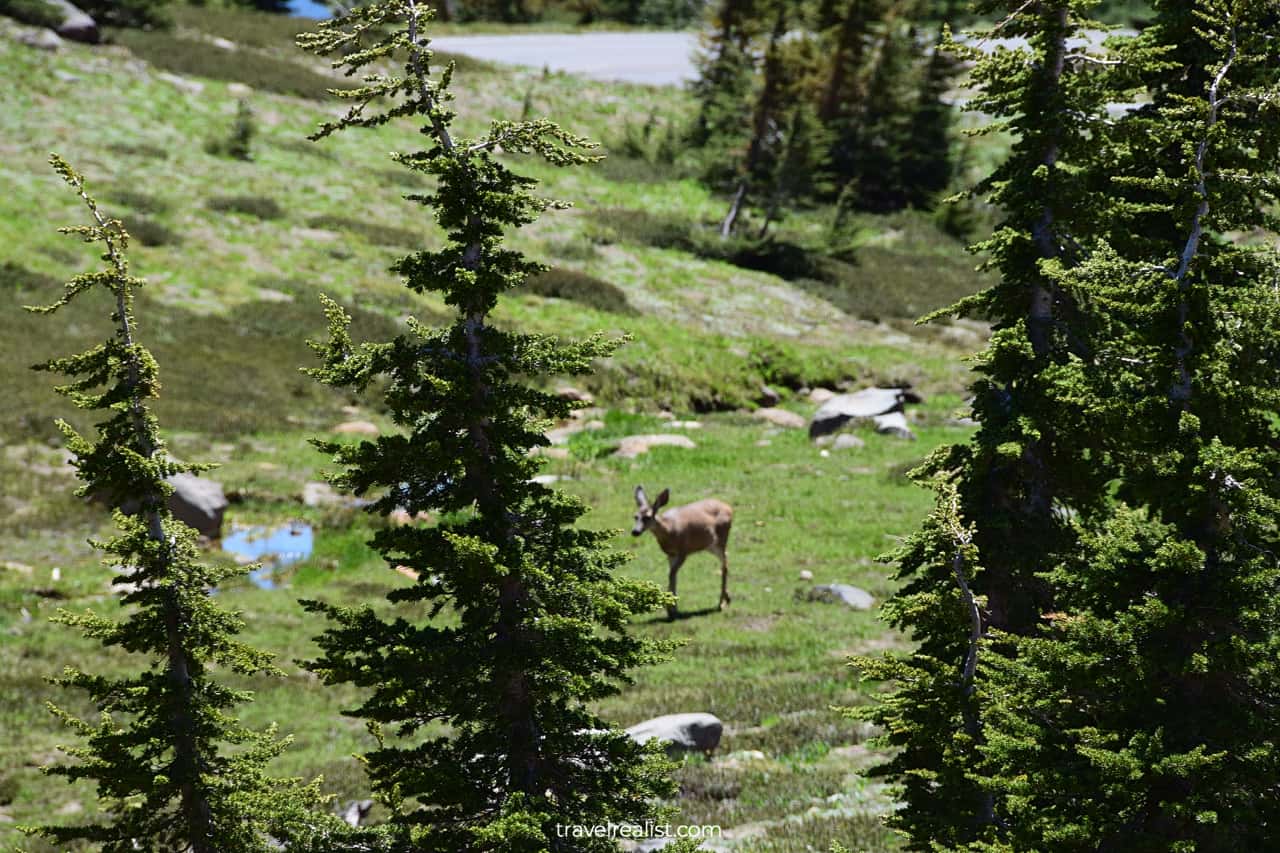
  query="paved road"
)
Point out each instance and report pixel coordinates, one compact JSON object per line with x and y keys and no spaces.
{"x":659,"y":59}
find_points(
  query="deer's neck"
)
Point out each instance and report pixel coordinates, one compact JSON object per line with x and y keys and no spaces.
{"x":663,"y":532}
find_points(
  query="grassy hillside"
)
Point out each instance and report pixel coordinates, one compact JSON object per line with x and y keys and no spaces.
{"x":237,"y":254}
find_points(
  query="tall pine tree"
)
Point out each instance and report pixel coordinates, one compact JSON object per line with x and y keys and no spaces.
{"x":519,"y":620}
{"x":1005,"y":499}
{"x":174,"y":769}
{"x":1147,"y":717}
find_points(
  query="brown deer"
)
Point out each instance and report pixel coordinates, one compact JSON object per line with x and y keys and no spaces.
{"x":684,"y":530}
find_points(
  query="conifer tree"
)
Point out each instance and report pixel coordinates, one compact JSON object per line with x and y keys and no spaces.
{"x":522,"y":622}
{"x":723,"y":90}
{"x":174,"y":770}
{"x":1146,"y":717}
{"x":1005,"y":498}
{"x":766,"y":115}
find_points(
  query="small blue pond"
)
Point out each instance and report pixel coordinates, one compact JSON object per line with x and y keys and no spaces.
{"x":275,"y":548}
{"x":309,"y":9}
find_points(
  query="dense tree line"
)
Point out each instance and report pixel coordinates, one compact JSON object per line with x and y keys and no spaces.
{"x":1094,"y":595}
{"x":846,"y":104}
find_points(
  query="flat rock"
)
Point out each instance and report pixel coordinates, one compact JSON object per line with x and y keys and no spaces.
{"x":863,"y":405}
{"x":843,"y":593}
{"x":637,"y":445}
{"x":696,"y":732}
{"x":845,"y":441}
{"x":779,"y":417}
{"x":356,"y":428}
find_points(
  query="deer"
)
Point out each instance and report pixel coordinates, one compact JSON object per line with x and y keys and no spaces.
{"x":684,"y":530}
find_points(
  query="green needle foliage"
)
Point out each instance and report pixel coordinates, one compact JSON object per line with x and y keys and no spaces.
{"x":174,"y":770}
{"x":1005,"y":499}
{"x":516,"y":622}
{"x":1146,"y":717}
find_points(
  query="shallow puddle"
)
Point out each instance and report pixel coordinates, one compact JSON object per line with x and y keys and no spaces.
{"x":274,"y":547}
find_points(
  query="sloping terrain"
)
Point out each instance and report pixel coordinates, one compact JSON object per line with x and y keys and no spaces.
{"x":237,"y":253}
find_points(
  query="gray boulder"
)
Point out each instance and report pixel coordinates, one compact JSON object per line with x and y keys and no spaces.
{"x":843,"y":593}
{"x":682,"y":732}
{"x":198,"y":502}
{"x":866,"y":404}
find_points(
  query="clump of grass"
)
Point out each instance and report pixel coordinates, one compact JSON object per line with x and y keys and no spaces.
{"x":370,"y":232}
{"x":257,"y":206}
{"x":137,"y":200}
{"x":148,"y":232}
{"x":401,"y":178}
{"x":140,"y":149}
{"x":560,"y":283}
{"x":303,"y":147}
{"x":625,"y":225}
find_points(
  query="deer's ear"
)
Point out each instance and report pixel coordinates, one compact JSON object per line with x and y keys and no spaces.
{"x":662,"y":499}
{"x":641,"y":498}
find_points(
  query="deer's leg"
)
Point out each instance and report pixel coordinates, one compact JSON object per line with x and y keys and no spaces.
{"x":675,"y":561}
{"x":724,"y":575}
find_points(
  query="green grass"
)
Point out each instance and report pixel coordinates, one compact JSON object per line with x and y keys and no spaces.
{"x":233,"y":293}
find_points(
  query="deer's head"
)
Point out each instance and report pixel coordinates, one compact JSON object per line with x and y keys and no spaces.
{"x":647,"y":512}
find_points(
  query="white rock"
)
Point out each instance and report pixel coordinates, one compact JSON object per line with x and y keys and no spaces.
{"x":806,"y":575}
{"x":843,"y":593}
{"x":864,"y":405}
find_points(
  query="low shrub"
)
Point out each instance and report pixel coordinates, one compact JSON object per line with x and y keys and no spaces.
{"x":148,"y":232}
{"x":257,"y":206}
{"x":238,"y":141}
{"x":559,"y":283}
{"x":370,"y":232}
{"x":140,"y":149}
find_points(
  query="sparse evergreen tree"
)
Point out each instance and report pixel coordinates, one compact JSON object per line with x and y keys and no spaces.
{"x":766,"y":141}
{"x":1007,"y":497}
{"x":523,"y":622}
{"x":726,"y":80}
{"x":1146,"y":717}
{"x":174,"y":770}
{"x":926,"y":160}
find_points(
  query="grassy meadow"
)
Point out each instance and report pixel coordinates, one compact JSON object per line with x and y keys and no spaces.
{"x":237,"y":254}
